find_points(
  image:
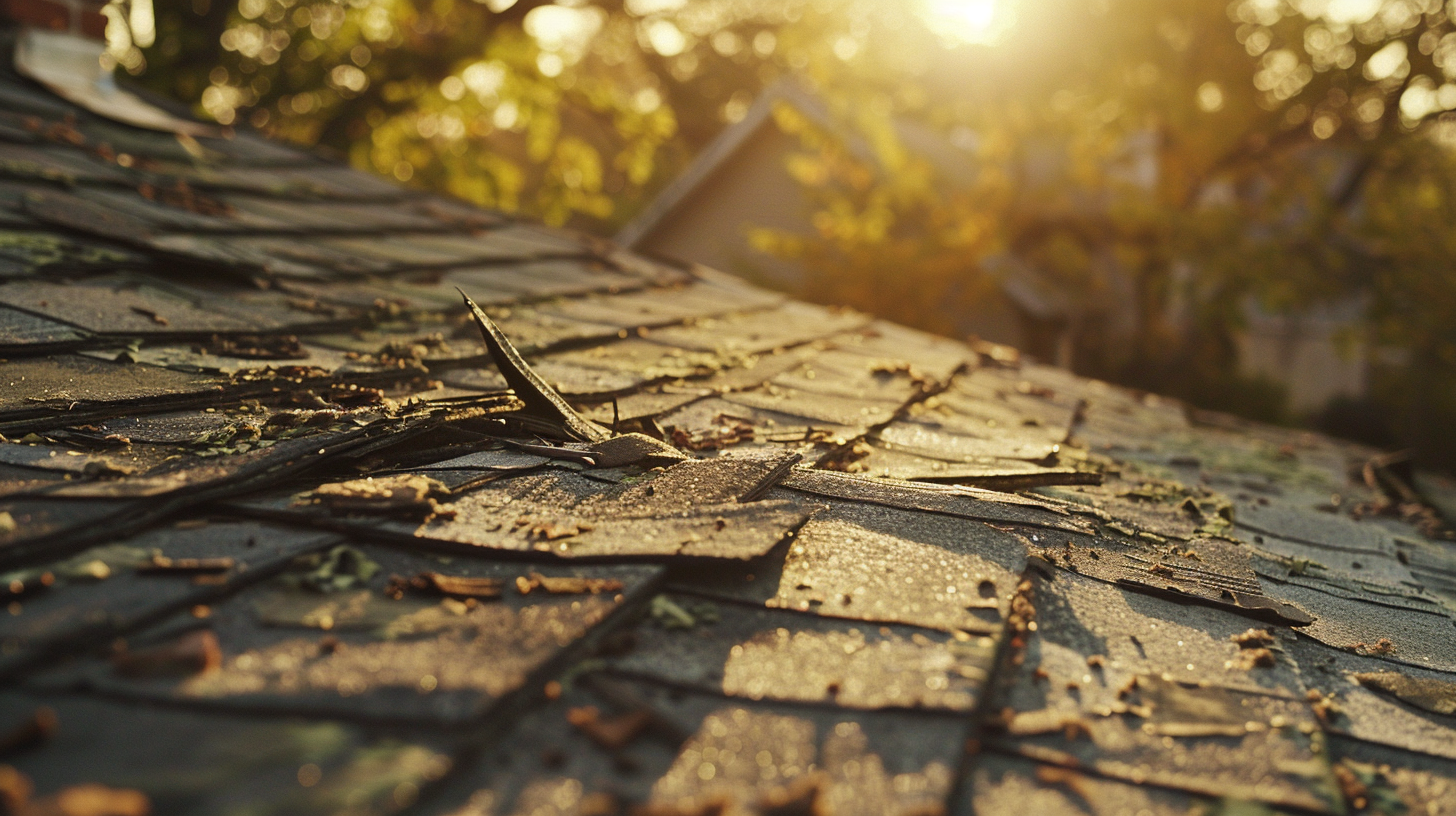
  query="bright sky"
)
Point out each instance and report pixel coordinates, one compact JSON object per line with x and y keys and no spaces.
{"x":968,"y":21}
{"x":1341,"y":12}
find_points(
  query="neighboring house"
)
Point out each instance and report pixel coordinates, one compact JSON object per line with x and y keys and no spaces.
{"x":1320,"y":352}
{"x":1317,"y":354}
{"x":741,"y":182}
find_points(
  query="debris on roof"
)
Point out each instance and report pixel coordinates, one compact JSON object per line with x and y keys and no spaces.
{"x":288,"y":526}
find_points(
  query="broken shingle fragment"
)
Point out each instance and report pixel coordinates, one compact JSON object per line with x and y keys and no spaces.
{"x":542,"y":401}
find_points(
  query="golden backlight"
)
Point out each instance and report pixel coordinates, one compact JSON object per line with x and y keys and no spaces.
{"x":968,"y":21}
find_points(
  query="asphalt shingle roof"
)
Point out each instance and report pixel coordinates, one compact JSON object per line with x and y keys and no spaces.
{"x":276,"y":537}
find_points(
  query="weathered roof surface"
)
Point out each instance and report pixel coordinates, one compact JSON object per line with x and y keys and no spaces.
{"x":277,"y":538}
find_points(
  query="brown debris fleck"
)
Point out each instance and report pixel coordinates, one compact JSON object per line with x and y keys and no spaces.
{"x":254,"y":347}
{"x":1254,"y":639}
{"x":407,"y":496}
{"x":15,"y":790}
{"x":183,"y":196}
{"x":1353,"y":789}
{"x":162,"y":565}
{"x":24,"y":586}
{"x":439,"y":584}
{"x":1323,"y":706}
{"x":1384,"y":646}
{"x":92,"y":800}
{"x":551,"y":531}
{"x":193,"y":653}
{"x":35,"y":730}
{"x":848,"y":458}
{"x":1251,"y":658}
{"x":726,"y":432}
{"x":800,"y":797}
{"x":567,"y":586}
{"x":611,"y":733}
{"x":151,"y":315}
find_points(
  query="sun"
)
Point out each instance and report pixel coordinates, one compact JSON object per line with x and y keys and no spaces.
{"x":967,"y":21}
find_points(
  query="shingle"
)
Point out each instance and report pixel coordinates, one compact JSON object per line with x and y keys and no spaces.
{"x":251,"y":211}
{"x":41,"y":386}
{"x":643,"y":405}
{"x":1008,"y":784}
{"x":23,"y":331}
{"x":1005,"y":474}
{"x":702,"y":750}
{"x":966,"y":503}
{"x":242,"y":256}
{"x":790,"y":324}
{"x":25,"y":254}
{"x":715,"y":422}
{"x":933,"y":441}
{"x":125,"y":306}
{"x":199,"y":762}
{"x":240,"y":458}
{"x":659,"y":307}
{"x":883,"y":565}
{"x":1367,"y":713}
{"x":691,"y":509}
{"x":361,"y":652}
{"x":544,"y":279}
{"x":1204,"y":571}
{"x":83,"y":603}
{"x":1204,"y":740}
{"x":1093,"y":639}
{"x":1396,"y":781}
{"x":935,"y":357}
{"x":767,"y":654}
{"x":52,"y":164}
{"x":1412,"y":632}
{"x":817,"y":409}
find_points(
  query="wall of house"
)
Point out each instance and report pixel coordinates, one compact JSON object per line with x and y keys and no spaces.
{"x":1310,"y":352}
{"x":752,"y":188}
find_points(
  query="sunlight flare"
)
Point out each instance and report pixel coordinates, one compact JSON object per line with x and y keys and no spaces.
{"x":968,"y":21}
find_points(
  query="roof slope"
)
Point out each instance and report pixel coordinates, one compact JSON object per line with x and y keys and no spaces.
{"x":276,"y":538}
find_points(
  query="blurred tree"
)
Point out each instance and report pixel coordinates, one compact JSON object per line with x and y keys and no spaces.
{"x":1296,"y":151}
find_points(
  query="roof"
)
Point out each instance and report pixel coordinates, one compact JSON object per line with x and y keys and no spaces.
{"x":287,"y":528}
